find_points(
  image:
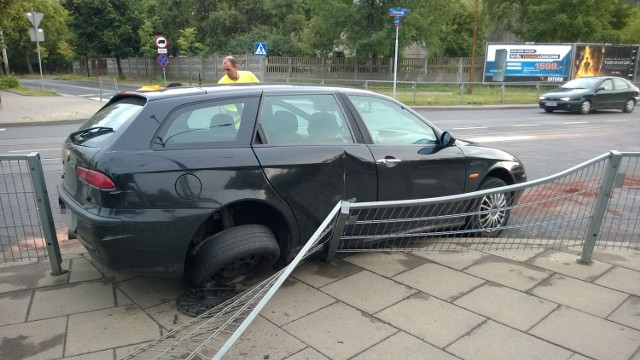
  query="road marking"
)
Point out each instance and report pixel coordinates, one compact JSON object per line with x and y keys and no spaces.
{"x":575,"y":122}
{"x":488,"y":139}
{"x":3,"y":129}
{"x":471,"y":128}
{"x":525,"y":125}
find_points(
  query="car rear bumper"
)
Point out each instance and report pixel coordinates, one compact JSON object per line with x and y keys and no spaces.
{"x":142,"y":241}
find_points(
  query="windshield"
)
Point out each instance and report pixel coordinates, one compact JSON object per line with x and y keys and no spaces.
{"x":581,"y":83}
{"x":109,"y":119}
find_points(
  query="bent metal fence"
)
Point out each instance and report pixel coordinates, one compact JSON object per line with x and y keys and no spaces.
{"x":27,"y":231}
{"x":594,"y":204}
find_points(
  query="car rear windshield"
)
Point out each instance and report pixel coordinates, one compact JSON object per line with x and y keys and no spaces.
{"x":107,"y":121}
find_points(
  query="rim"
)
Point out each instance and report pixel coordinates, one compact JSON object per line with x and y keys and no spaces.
{"x":629,"y":105}
{"x":586,"y":106}
{"x":237,"y":270}
{"x":493,"y":211}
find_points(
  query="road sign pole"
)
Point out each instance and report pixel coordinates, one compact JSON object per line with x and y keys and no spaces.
{"x":39,"y":59}
{"x":164,"y":74}
{"x":395,"y":63}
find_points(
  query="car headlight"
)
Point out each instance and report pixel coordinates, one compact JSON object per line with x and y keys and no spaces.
{"x":566,"y":98}
{"x":541,"y":98}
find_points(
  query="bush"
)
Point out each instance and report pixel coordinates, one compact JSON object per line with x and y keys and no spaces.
{"x":9,"y":82}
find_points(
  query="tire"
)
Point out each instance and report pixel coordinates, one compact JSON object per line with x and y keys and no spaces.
{"x":629,"y":106}
{"x":232,"y":255}
{"x":490,"y":210}
{"x":585,"y":107}
{"x":548,"y":110}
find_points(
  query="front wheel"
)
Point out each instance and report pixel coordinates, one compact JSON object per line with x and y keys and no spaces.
{"x":585,"y":107}
{"x":628,"y":106}
{"x":491,"y":212}
{"x":232,"y":255}
{"x":548,"y":110}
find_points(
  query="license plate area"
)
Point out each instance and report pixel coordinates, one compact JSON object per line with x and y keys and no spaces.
{"x":551,"y":103}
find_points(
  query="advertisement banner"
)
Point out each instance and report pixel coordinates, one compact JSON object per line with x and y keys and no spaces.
{"x":614,"y":60}
{"x":527,"y":62}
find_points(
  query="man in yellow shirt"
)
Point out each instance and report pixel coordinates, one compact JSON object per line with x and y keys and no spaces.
{"x":234,"y":74}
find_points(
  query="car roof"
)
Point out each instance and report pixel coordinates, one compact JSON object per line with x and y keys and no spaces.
{"x":237,"y":89}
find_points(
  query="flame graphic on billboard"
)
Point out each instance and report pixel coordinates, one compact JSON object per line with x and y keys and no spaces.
{"x":589,"y":63}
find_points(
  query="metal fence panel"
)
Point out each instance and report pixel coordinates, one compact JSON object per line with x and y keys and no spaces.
{"x":27,"y":230}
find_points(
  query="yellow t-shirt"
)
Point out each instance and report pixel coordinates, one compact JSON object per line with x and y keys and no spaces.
{"x":243,"y":77}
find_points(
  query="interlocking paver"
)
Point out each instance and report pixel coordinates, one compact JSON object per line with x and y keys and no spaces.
{"x":109,"y":328}
{"x":588,"y":335}
{"x":318,"y":273}
{"x":629,"y":259}
{"x":581,"y":295}
{"x":29,"y":277}
{"x":386,"y":264}
{"x":71,"y":299}
{"x":454,"y":259}
{"x":264,"y":340}
{"x":14,"y":307}
{"x":505,"y":305}
{"x":404,"y":346}
{"x":81,"y":269}
{"x":42,"y":339}
{"x":294,"y":300}
{"x":340,"y":331}
{"x":363,"y":291}
{"x":519,"y":255}
{"x":621,"y":279}
{"x":439,"y":281}
{"x":509,"y":273}
{"x":496,"y":342}
{"x":147,"y":291}
{"x":430,"y":319}
{"x":628,"y":313}
{"x":307,"y":354}
{"x":566,"y":263}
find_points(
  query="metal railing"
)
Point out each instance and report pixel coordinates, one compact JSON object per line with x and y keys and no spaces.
{"x":27,"y":231}
{"x":594,"y":204}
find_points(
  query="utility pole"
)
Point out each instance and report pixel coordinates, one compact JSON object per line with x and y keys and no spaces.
{"x":472,"y":70}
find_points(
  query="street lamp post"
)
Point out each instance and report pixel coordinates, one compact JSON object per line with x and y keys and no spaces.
{"x":34,"y":18}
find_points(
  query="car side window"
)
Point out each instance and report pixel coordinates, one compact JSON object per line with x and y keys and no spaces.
{"x":607,"y":84}
{"x":309,"y":119}
{"x":206,"y":124}
{"x":389,"y":123}
{"x":620,"y":84}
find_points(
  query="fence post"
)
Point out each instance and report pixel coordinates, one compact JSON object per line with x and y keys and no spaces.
{"x":44,"y":213}
{"x":600,"y":207}
{"x":338,"y":228}
{"x":461,"y":93}
{"x":502,"y":88}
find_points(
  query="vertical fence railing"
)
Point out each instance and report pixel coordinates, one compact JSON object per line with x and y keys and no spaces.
{"x":27,"y":230}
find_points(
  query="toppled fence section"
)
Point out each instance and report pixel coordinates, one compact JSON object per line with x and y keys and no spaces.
{"x":27,"y":231}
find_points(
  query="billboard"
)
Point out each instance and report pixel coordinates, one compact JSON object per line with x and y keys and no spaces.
{"x":597,"y":59}
{"x":527,"y":62}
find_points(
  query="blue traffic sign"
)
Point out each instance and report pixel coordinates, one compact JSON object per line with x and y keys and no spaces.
{"x":398,"y":12}
{"x":260,"y":49}
{"x":162,"y":60}
{"x":397,"y":20}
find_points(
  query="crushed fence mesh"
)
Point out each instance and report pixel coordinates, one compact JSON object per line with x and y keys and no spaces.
{"x":554,"y":212}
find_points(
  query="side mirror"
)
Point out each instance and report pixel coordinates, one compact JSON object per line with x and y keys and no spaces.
{"x":601,"y":88}
{"x":446,"y":139}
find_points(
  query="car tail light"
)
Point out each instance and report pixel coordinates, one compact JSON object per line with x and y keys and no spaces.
{"x":95,"y":178}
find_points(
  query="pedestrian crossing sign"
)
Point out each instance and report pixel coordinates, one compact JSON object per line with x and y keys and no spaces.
{"x":260,"y":49}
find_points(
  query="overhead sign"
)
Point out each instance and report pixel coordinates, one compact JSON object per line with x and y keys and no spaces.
{"x":260,"y":49}
{"x":398,"y":12}
{"x":162,"y":60}
{"x":527,"y":62}
{"x":161,"y":42}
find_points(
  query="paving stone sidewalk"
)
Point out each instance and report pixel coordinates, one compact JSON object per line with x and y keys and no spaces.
{"x":527,"y":304}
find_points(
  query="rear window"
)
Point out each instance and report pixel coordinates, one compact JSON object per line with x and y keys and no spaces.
{"x":107,"y":121}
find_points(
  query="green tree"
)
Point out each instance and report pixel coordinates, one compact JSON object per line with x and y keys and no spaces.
{"x":107,"y":27}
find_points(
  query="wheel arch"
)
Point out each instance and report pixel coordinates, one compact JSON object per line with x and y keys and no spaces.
{"x":502,"y":174}
{"x":249,"y":211}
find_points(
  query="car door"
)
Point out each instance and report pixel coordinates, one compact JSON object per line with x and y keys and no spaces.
{"x":309,"y":154}
{"x":605,"y":95}
{"x":623,"y":92}
{"x":410,"y":162}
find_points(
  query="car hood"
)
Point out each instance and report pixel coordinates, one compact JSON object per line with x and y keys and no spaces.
{"x":566,"y":92}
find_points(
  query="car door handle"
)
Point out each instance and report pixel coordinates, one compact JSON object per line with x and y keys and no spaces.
{"x":388,"y":161}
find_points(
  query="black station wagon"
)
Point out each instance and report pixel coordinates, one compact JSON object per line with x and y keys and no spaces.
{"x":218,"y":182}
